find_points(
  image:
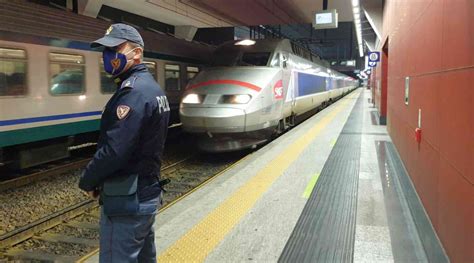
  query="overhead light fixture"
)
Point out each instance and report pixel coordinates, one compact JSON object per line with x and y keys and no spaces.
{"x":356,"y":10}
{"x":245,"y":42}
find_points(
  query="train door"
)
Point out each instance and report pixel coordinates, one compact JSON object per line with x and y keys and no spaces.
{"x":286,"y":72}
{"x":173,"y":84}
{"x":289,"y":82}
{"x":271,"y":100}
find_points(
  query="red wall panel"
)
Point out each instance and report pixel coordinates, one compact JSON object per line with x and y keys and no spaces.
{"x":456,"y":129}
{"x":432,"y":42}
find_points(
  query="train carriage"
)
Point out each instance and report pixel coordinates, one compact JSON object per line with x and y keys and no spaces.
{"x":53,"y":87}
{"x":255,"y":89}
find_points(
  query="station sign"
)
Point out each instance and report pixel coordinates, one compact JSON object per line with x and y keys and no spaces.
{"x":374,"y":56}
{"x":372,"y":64}
{"x":325,"y":19}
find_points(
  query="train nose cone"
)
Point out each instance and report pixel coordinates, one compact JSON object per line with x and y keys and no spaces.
{"x":215,"y":120}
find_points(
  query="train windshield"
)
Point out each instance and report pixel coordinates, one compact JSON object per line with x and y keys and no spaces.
{"x":254,"y":59}
{"x":236,"y":58}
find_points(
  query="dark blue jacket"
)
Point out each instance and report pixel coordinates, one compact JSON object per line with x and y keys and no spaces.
{"x":133,"y":130}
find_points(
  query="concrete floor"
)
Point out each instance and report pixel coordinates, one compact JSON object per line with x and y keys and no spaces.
{"x":260,"y":231}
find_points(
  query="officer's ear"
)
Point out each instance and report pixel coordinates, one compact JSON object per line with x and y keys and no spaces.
{"x":138,"y":53}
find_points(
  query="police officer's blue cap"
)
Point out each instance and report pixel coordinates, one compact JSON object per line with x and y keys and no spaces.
{"x":117,"y":34}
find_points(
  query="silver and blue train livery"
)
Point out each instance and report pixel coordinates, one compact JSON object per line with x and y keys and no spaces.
{"x":256,"y":89}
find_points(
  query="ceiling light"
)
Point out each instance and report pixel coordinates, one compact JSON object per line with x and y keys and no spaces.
{"x":246,"y":42}
{"x":355,"y":2}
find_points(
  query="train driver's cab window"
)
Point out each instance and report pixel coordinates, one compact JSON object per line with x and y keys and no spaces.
{"x":172,"y":77}
{"x":107,"y":84}
{"x":151,"y":65}
{"x":13,"y":66}
{"x":254,"y":59}
{"x":66,"y":74}
{"x":276,"y":60}
{"x":191,"y":72}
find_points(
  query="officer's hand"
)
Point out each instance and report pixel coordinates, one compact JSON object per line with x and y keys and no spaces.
{"x":93,"y":194}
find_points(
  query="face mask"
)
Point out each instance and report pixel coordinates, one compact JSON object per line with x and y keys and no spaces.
{"x":114,"y":62}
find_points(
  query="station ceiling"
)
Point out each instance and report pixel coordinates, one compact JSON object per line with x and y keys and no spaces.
{"x":291,"y":18}
{"x":270,"y":12}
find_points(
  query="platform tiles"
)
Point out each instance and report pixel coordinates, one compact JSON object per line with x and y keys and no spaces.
{"x":252,"y":212}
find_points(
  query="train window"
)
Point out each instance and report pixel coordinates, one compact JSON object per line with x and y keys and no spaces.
{"x":276,"y":60}
{"x":255,"y":59}
{"x":293,"y":48}
{"x":107,"y":84}
{"x":13,"y":66}
{"x":191,"y":72}
{"x":225,"y":57}
{"x":172,"y":77}
{"x":66,"y":74}
{"x":151,"y":65}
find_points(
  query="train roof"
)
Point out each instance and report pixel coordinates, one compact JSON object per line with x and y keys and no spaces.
{"x":23,"y":17}
{"x":269,"y":45}
{"x":274,"y":45}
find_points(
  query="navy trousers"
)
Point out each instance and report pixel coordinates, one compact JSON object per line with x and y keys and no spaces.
{"x":129,"y":238}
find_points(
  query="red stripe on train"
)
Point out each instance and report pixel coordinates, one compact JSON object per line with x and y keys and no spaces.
{"x":226,"y":81}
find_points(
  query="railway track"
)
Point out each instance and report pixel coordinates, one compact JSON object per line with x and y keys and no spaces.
{"x":43,"y":174}
{"x":71,"y":233}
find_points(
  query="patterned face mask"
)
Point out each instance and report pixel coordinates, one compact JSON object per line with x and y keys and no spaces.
{"x":114,"y":62}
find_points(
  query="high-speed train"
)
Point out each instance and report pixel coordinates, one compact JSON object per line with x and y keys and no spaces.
{"x":256,"y":89}
{"x":53,"y":87}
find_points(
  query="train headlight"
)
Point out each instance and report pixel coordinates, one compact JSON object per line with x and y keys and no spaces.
{"x":192,"y":99}
{"x":236,"y":99}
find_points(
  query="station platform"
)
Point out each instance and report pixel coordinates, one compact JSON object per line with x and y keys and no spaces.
{"x":331,"y":189}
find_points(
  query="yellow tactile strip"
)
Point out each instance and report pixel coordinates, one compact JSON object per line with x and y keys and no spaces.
{"x":198,"y":242}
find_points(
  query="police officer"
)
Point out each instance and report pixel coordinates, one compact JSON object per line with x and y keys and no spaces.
{"x":132,"y":134}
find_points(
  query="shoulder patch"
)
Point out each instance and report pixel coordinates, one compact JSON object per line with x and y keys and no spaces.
{"x":122,"y":111}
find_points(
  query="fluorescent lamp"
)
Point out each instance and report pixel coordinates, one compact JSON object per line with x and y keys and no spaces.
{"x":356,"y":12}
{"x":245,"y":42}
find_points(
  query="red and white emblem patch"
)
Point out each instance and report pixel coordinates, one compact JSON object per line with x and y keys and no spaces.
{"x":278,"y":90}
{"x":122,"y":111}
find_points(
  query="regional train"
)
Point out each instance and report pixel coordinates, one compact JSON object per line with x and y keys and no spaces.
{"x":256,"y":89}
{"x":53,"y":87}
